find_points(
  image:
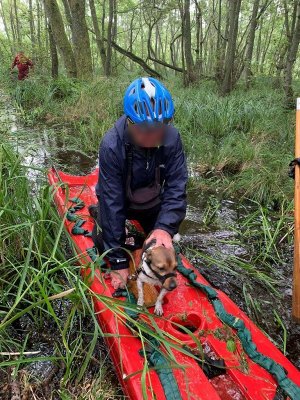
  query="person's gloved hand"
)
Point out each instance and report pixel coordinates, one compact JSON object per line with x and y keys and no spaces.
{"x":119,"y":278}
{"x":161,"y":238}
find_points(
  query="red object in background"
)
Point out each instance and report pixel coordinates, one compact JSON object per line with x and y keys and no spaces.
{"x":243,"y":379}
{"x":23,"y":64}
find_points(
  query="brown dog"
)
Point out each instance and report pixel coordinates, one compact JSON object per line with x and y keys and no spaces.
{"x":157,"y":268}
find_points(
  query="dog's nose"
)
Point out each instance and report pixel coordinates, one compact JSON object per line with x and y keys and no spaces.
{"x":173,"y":285}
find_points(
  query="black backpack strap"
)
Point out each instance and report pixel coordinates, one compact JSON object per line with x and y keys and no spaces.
{"x":159,"y":165}
{"x":129,"y":162}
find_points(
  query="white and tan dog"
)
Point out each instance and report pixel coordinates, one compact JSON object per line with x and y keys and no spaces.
{"x":157,"y":268}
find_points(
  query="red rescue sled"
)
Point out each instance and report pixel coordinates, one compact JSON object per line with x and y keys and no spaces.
{"x":186,"y":306}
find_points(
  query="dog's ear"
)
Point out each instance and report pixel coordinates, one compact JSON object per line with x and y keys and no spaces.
{"x":148,"y":253}
{"x":148,"y":244}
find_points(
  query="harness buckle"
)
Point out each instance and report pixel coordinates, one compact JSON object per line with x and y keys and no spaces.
{"x":292,"y":166}
{"x":133,"y":277}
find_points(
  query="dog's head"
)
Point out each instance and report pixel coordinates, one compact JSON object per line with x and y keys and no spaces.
{"x":163,"y":263}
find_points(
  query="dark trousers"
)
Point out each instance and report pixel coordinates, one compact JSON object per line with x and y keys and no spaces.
{"x":147,"y":219}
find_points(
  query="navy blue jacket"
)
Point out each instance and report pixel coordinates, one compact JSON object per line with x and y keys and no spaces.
{"x":111,"y":186}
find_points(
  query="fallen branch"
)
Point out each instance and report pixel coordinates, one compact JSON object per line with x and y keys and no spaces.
{"x":165,"y":64}
{"x":132,"y":57}
{"x":18,"y":353}
{"x":136,"y":59}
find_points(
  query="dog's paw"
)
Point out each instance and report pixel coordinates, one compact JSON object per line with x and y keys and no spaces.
{"x":177,"y":238}
{"x":158,"y":310}
{"x":140,"y":303}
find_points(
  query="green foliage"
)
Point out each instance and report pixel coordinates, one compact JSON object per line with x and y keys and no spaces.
{"x":41,"y":291}
{"x":40,"y":288}
{"x":241,"y":143}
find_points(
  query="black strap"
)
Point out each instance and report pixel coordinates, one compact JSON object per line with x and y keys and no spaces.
{"x":129,"y":162}
{"x":292,"y":165}
{"x":129,"y":159}
{"x":161,"y":278}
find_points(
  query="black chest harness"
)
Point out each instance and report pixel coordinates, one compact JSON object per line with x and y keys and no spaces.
{"x":160,"y":278}
{"x":147,"y":197}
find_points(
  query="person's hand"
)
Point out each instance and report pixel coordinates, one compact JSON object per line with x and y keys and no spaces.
{"x":119,"y":278}
{"x":161,"y":238}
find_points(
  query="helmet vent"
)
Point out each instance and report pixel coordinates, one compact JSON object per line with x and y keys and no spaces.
{"x":160,"y":107}
{"x":147,"y":100}
{"x":146,"y":109}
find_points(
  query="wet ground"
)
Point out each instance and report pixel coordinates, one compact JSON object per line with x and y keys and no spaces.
{"x":219,"y":249}
{"x":211,"y":235}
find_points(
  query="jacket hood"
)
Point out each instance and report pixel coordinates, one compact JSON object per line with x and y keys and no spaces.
{"x":121,"y":127}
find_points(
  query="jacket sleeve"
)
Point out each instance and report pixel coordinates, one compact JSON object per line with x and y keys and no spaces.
{"x":111,"y":195}
{"x":173,"y":207}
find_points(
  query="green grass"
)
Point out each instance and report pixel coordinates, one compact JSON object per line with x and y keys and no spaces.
{"x":42,"y":295}
{"x":241,"y":143}
{"x":44,"y":300}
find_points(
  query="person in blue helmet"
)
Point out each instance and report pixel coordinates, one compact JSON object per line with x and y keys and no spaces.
{"x":142,"y":175}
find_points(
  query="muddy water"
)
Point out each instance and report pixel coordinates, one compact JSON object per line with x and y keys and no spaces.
{"x":209,"y":232}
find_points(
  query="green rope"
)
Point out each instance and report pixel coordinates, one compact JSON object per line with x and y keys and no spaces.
{"x":276,"y":370}
{"x":79,"y":204}
{"x":164,"y":371}
{"x":156,"y":358}
{"x":153,"y":354}
{"x":72,"y":217}
{"x":92,"y":252}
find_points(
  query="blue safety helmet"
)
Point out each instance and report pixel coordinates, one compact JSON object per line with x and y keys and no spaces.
{"x":146,"y":100}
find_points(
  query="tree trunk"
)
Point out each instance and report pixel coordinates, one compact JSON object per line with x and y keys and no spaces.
{"x":81,"y":40}
{"x":6,"y":27}
{"x":45,"y":25}
{"x":38,"y":16}
{"x":32,"y":29}
{"x":13,"y":30}
{"x":109,"y":38}
{"x":115,"y":30}
{"x":53,"y":54}
{"x":99,"y":40}
{"x":18,"y":35}
{"x":131,"y":33}
{"x":187,"y":41}
{"x":60,"y":37}
{"x":267,"y":43}
{"x":68,"y":15}
{"x":221,"y":43}
{"x":291,"y":58}
{"x":250,"y":44}
{"x":199,"y":40}
{"x":229,"y":68}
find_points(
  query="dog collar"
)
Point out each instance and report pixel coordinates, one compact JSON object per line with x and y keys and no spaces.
{"x":161,"y":278}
